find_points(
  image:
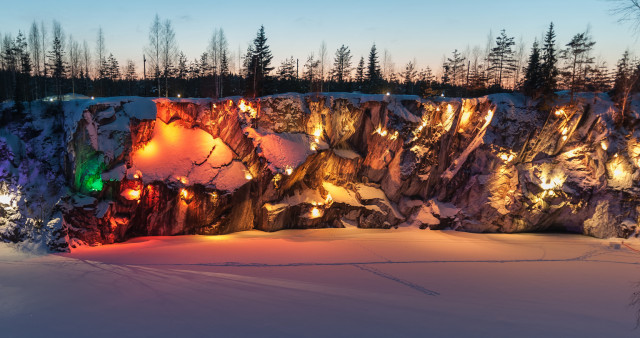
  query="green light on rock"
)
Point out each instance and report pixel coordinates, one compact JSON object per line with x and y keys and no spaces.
{"x":94,"y":183}
{"x":89,"y":172}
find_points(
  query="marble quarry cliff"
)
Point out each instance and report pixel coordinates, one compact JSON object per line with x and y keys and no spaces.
{"x":111,"y":169}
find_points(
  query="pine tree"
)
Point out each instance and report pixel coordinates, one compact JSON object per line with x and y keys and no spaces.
{"x":578,"y":60}
{"x":549,"y":63}
{"x":312,"y":70}
{"x":342,"y":64}
{"x":533,"y":78}
{"x":409,"y":76}
{"x":456,"y":68}
{"x":626,"y":80}
{"x":501,"y":57}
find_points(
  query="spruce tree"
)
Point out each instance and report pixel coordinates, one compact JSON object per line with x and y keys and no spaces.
{"x":23,"y":71}
{"x":373,"y":70}
{"x":549,"y":63}
{"x":57,"y":63}
{"x":360,"y":71}
{"x":259,"y":64}
{"x":533,"y":78}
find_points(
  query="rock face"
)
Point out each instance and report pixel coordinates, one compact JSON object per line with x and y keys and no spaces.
{"x":489,"y":164}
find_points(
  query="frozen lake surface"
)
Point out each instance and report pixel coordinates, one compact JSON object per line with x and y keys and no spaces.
{"x":327,"y":282}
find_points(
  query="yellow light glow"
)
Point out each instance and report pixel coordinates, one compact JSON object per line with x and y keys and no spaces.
{"x":329,"y":199}
{"x":315,"y":212}
{"x":131,"y":194}
{"x":245,"y":107}
{"x":384,"y":133}
{"x":317,"y":132}
{"x":313,"y":146}
{"x":565,"y":130}
{"x":184,"y":194}
{"x":604,"y":145}
{"x":504,"y":157}
{"x":618,"y":172}
{"x":248,"y":176}
{"x":395,"y":135}
{"x":178,"y":95}
{"x":288,"y":170}
{"x":464,"y":119}
{"x":564,"y":138}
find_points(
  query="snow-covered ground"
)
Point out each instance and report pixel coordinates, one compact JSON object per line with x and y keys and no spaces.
{"x":327,"y":282}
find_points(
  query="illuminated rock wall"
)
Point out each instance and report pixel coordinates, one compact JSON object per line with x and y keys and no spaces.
{"x":491,"y":164}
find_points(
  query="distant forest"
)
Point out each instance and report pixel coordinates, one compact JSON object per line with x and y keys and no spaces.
{"x":47,"y":62}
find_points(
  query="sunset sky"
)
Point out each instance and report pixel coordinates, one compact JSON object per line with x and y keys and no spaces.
{"x":424,"y":30}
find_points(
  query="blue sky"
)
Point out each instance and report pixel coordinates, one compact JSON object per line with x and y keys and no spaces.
{"x":425,"y":30}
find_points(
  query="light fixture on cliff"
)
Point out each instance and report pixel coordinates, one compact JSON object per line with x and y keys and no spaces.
{"x":131,"y":194}
{"x":288,"y":170}
{"x":313,"y":147}
{"x":186,"y":195}
{"x":564,"y":138}
{"x":315,"y":212}
{"x":329,"y":199}
{"x":394,"y":135}
{"x":248,"y":176}
{"x":604,"y":145}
